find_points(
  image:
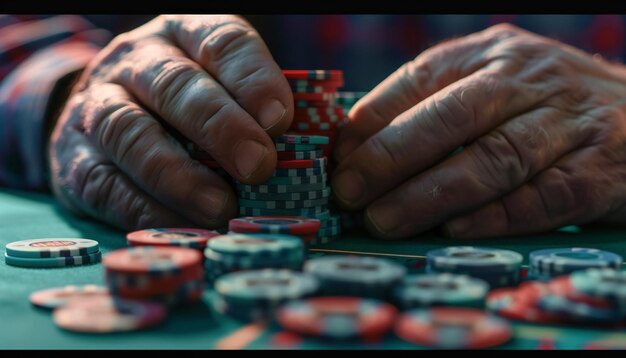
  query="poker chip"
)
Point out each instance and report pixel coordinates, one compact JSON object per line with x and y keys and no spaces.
{"x":521,"y":303}
{"x":283,"y":204}
{"x":314,"y":89}
{"x":559,"y":261}
{"x":52,"y":247}
{"x":301,"y":139}
{"x":602,"y":283}
{"x":453,"y":328}
{"x":578,"y":311}
{"x":310,"y":163}
{"x":52,"y":298}
{"x":281,"y":188}
{"x":184,"y":237}
{"x":286,"y":147}
{"x":316,"y":111}
{"x":306,"y":104}
{"x":320,"y":96}
{"x":296,"y":196}
{"x":313,"y":179}
{"x":329,"y":231}
{"x":152,"y":260}
{"x":108,"y":314}
{"x":337,"y":317}
{"x":298,"y":172}
{"x":290,"y":225}
{"x":309,"y":154}
{"x":263,"y":245}
{"x":53,"y":261}
{"x":305,"y":126}
{"x":345,"y":275}
{"x":307,"y":212}
{"x":328,"y":84}
{"x":314,"y":74}
{"x":445,"y":289}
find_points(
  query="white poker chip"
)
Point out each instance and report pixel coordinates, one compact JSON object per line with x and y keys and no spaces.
{"x":52,"y":247}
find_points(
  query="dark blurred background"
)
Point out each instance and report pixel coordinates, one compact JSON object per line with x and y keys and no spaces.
{"x":370,"y":47}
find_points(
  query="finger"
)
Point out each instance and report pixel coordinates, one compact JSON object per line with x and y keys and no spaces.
{"x":232,"y":51}
{"x":423,"y":135}
{"x":92,"y":184}
{"x":135,"y":142}
{"x":167,"y":82}
{"x":492,"y":166}
{"x":416,"y":80}
{"x":557,"y":197}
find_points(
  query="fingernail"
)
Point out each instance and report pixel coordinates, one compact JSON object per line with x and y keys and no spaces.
{"x":345,"y":147}
{"x":212,"y":201}
{"x":457,"y":227}
{"x":385,"y":217}
{"x":271,"y":113}
{"x":348,"y":185}
{"x":249,"y":155}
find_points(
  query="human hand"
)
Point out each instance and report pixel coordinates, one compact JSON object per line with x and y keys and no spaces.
{"x":210,"y":78}
{"x":543,"y":126}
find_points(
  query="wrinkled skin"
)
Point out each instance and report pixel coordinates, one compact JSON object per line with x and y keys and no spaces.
{"x":542,"y":124}
{"x":212,"y":79}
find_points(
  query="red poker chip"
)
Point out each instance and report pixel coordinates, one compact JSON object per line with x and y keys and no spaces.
{"x":323,"y":96}
{"x":156,"y":260}
{"x":562,"y":286}
{"x":453,"y":328}
{"x":52,"y":298}
{"x":521,"y":303}
{"x":289,"y":225}
{"x":299,"y":103}
{"x":301,"y":155}
{"x":319,"y":111}
{"x":319,"y":75}
{"x":311,"y":163}
{"x":146,"y":284}
{"x":359,"y":317}
{"x":183,"y":237}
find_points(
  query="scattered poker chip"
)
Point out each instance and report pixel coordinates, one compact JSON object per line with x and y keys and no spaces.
{"x":299,"y":172}
{"x":52,"y":247}
{"x":365,"y":276}
{"x":521,"y":303}
{"x":427,"y":290}
{"x":290,"y":225}
{"x":262,"y":245}
{"x":307,"y":212}
{"x":313,"y":179}
{"x":156,"y":261}
{"x":305,"y":195}
{"x":283,"y":204}
{"x":453,"y":328}
{"x":281,"y":188}
{"x":286,"y":147}
{"x":314,"y":74}
{"x":563,"y":286}
{"x":603,"y":283}
{"x":108,"y":315}
{"x":337,"y":317}
{"x":52,"y":298}
{"x":302,"y":155}
{"x":301,"y":139}
{"x":473,"y":259}
{"x":559,"y":261}
{"x":310,"y":163}
{"x":53,"y":261}
{"x":184,"y":237}
{"x":577,"y":311}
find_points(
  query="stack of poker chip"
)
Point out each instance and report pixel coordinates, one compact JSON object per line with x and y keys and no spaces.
{"x":348,"y":99}
{"x":255,"y":295}
{"x":177,"y":237}
{"x":236,"y":252}
{"x":53,"y":252}
{"x":499,"y":268}
{"x":550,"y":263}
{"x":299,"y":187}
{"x":363,"y":276}
{"x":170,"y":275}
{"x":443,"y":289}
{"x":587,"y":297}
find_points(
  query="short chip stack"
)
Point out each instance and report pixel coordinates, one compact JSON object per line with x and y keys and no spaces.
{"x":171,"y":275}
{"x":298,"y":187}
{"x":53,"y":252}
{"x":178,"y":237}
{"x":550,"y":263}
{"x":237,"y":252}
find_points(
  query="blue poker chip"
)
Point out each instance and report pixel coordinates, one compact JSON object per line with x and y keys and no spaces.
{"x":365,"y":276}
{"x":470,"y":259}
{"x":444,"y":289}
{"x":305,"y":195}
{"x":287,"y":147}
{"x":604,"y":283}
{"x":302,"y":139}
{"x":495,"y":279}
{"x":260,"y":246}
{"x":559,"y":261}
{"x":281,"y":188}
{"x":306,"y":212}
{"x":298,"y":172}
{"x":283,"y":204}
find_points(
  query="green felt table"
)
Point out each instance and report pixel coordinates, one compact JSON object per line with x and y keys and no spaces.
{"x":26,"y":215}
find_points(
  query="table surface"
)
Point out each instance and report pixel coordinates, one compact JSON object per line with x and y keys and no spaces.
{"x":26,"y":215}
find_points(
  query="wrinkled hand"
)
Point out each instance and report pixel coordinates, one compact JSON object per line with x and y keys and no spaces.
{"x":213,"y":80}
{"x":543,"y":126}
